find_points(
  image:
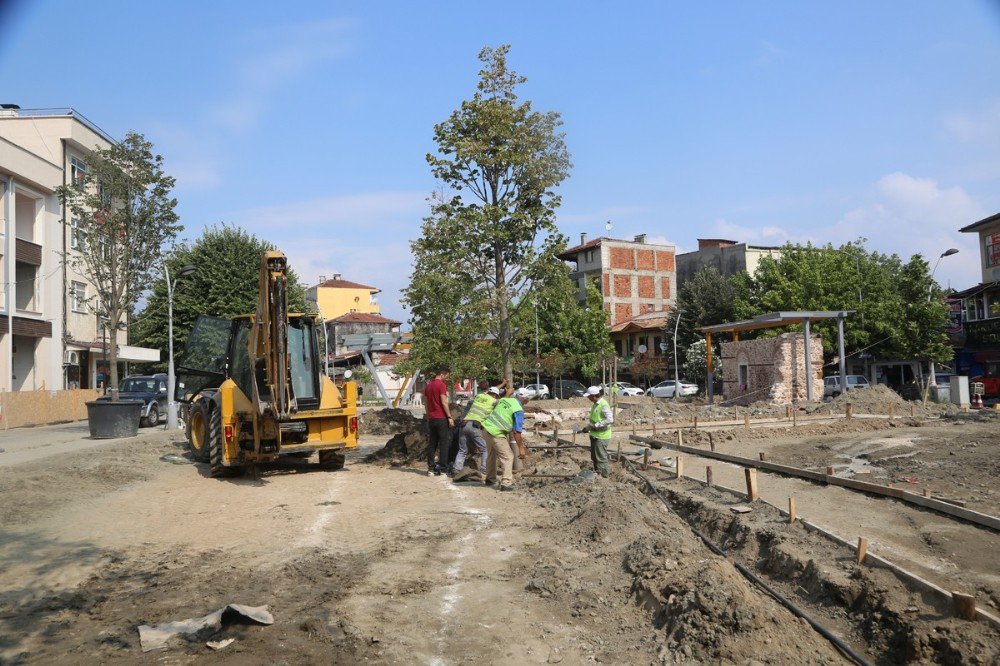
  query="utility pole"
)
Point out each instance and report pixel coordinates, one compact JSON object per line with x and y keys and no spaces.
{"x":171,"y":376}
{"x":932,"y":380}
{"x":538,"y":379}
{"x":677,"y":381}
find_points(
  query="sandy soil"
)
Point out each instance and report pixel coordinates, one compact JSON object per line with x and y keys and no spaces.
{"x":385,"y":564}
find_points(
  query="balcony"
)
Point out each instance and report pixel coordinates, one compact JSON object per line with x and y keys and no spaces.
{"x":27,"y":252}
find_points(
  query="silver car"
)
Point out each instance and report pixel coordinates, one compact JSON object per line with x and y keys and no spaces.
{"x":533,"y":392}
{"x":831,"y":385}
{"x":666,"y":389}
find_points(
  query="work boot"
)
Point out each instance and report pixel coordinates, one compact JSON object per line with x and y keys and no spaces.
{"x":505,"y":489}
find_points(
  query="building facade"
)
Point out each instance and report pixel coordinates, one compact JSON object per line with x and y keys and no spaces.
{"x":50,"y":334}
{"x":726,"y":256}
{"x":634,"y":277}
{"x":975,"y":330}
{"x":335,"y":297}
{"x":357,"y":323}
{"x":771,"y":369}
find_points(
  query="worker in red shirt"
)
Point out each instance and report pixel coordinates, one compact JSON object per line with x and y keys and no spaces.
{"x":439,"y":421}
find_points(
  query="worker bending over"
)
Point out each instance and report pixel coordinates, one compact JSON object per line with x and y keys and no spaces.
{"x":477,"y":411}
{"x":506,"y":419}
{"x":599,"y":428}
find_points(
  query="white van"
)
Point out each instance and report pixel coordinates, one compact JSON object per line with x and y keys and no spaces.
{"x":831,"y":385}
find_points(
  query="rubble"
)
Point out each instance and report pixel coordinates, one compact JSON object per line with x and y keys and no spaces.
{"x":387,"y":421}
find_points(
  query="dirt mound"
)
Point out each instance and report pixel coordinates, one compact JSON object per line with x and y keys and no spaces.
{"x":387,"y":422}
{"x":404,"y":448}
{"x":878,"y":399}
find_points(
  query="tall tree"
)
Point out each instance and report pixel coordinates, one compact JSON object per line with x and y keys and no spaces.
{"x":125,"y":216}
{"x":224,"y":284}
{"x":492,"y":230}
{"x":705,"y":299}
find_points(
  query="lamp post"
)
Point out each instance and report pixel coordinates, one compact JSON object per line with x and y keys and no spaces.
{"x":932,"y":380}
{"x":677,"y":381}
{"x":171,"y":377}
{"x":538,"y":378}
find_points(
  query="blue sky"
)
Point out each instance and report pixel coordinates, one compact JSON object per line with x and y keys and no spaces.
{"x":308,"y":122}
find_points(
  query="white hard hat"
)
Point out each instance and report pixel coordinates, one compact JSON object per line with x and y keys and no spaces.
{"x":593,"y":390}
{"x":493,"y":390}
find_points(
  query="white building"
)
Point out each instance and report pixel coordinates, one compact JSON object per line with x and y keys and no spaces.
{"x":50,"y":336}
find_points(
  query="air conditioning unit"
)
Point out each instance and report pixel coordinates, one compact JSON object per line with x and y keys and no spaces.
{"x":71,"y":357}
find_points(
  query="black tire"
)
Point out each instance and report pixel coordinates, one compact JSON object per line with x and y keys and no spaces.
{"x":154,"y":416}
{"x":216,"y":468}
{"x":332,"y":460}
{"x":198,"y":431}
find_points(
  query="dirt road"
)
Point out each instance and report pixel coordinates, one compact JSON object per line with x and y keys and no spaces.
{"x":371,"y":563}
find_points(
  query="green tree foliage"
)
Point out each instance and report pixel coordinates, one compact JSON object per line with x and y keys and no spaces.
{"x":695,"y":366}
{"x":893,"y":316}
{"x":491,"y":231}
{"x":706,"y":299}
{"x":125,"y":216}
{"x":224,"y":284}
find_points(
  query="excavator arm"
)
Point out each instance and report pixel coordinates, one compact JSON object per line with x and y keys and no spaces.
{"x":268,"y":341}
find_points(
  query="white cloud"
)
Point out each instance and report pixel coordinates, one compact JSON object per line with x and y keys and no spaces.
{"x":770,"y":235}
{"x":982,"y":126}
{"x":364,"y":237}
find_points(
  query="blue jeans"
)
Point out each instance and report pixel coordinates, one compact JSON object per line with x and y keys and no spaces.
{"x":470,"y":433}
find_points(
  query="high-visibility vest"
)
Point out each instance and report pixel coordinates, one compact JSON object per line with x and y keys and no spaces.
{"x":596,"y":416}
{"x":501,"y":420}
{"x":481,"y":407}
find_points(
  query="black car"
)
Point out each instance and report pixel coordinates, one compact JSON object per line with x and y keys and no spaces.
{"x":568,"y":388}
{"x":151,"y":389}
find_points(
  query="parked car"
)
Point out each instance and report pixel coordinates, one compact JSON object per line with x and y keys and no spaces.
{"x":665,"y":389}
{"x":831,"y":385}
{"x":624,"y":388}
{"x":151,"y":389}
{"x":568,"y":388}
{"x":533,"y":392}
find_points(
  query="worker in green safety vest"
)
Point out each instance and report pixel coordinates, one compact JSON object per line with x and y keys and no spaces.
{"x":506,"y":419}
{"x":477,"y":411}
{"x":599,"y":427}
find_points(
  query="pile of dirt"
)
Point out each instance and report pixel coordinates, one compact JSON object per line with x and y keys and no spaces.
{"x":404,"y":448}
{"x":695,"y":437}
{"x":387,"y":422}
{"x":879,"y":399}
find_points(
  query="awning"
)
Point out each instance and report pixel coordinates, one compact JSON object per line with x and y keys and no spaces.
{"x":129,"y":353}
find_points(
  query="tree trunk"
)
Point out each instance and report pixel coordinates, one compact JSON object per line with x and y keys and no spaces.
{"x":503,"y":313}
{"x":113,"y":362}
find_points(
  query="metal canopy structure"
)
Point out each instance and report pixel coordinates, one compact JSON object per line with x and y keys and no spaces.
{"x":776,"y":320}
{"x":366,"y":343}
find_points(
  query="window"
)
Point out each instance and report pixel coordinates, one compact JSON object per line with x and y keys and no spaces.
{"x":78,"y":292}
{"x":77,"y":171}
{"x":26,"y":288}
{"x":993,"y":305}
{"x":75,"y":234}
{"x":744,"y":376}
{"x":992,"y":243}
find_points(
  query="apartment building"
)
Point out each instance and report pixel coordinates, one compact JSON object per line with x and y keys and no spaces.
{"x":729,"y":257}
{"x":336,"y":297}
{"x":50,"y":335}
{"x":638,"y":288}
{"x":976,"y":321}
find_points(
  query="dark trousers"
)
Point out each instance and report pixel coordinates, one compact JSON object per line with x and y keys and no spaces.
{"x":438,"y":443}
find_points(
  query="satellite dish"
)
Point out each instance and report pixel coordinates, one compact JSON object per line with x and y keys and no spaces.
{"x":663,"y":346}
{"x":642,"y":349}
{"x":348,"y":374}
{"x":607,"y":225}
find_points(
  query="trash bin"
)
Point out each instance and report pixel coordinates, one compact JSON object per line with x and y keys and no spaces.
{"x":109,"y":419}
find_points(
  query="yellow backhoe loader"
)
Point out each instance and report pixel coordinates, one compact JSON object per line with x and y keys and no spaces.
{"x":255,"y":390}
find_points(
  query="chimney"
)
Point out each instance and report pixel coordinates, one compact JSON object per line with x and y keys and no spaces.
{"x":583,"y":238}
{"x":640,"y":238}
{"x":322,"y":279}
{"x":336,"y":276}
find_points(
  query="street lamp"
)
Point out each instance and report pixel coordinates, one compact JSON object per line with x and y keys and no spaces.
{"x":677,"y":381}
{"x":171,"y":377}
{"x":932,"y":380}
{"x":538,"y":379}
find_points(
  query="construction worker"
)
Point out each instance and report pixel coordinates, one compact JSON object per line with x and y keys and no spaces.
{"x":599,"y":427}
{"x":439,"y":421}
{"x":477,"y":411}
{"x":506,"y":419}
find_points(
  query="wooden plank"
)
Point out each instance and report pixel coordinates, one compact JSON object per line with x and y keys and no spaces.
{"x":751,"y":475}
{"x":680,"y":467}
{"x":863,"y":486}
{"x":965,"y":605}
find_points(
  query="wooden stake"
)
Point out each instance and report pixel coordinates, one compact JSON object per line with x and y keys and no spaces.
{"x":711,"y":441}
{"x":708,"y":474}
{"x":913,"y":409}
{"x":788,"y":411}
{"x":891,"y":410}
{"x":746,"y":421}
{"x":751,"y":475}
{"x":680,"y":467}
{"x":695,"y":421}
{"x":555,"y":434}
{"x":829,"y":470}
{"x":633,"y":428}
{"x":619,"y":449}
{"x":862,"y":549}
{"x":645,"y":459}
{"x":763,"y":456}
{"x":680,"y":437}
{"x":795,"y":418}
{"x":965,"y":605}
{"x":927,"y":492}
{"x":791,"y":510}
{"x":574,"y":438}
{"x":850,"y":411}
{"x":654,"y":428}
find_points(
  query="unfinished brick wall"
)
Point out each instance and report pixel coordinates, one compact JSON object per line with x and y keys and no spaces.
{"x":623,"y":311}
{"x":644,"y":260}
{"x":776,"y":368}
{"x":623,"y":285}
{"x":606,"y":281}
{"x":622,"y":257}
{"x":664,"y":261}
{"x":647,"y":288}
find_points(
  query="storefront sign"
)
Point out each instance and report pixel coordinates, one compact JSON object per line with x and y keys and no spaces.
{"x":979,"y":334}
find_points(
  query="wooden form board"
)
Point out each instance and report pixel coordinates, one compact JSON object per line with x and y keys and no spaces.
{"x":983,"y":519}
